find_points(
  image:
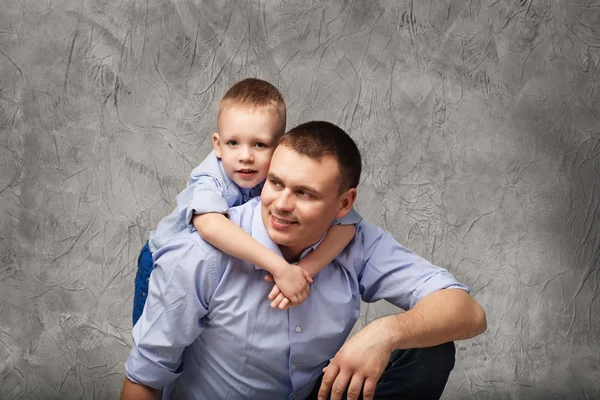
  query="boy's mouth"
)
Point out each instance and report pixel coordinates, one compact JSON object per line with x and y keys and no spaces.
{"x":246,"y":173}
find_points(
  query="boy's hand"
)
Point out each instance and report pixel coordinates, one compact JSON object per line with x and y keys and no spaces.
{"x":278,"y":299}
{"x":293,"y":282}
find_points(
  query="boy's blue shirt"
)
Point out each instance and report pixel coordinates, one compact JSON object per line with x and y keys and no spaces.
{"x":210,"y":190}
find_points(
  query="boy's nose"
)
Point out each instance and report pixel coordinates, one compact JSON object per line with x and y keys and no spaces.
{"x":246,"y":156}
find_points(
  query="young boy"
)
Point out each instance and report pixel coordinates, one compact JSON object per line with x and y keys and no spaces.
{"x":252,"y":118}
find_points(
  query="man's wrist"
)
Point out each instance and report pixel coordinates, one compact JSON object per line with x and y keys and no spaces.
{"x":393,"y":331}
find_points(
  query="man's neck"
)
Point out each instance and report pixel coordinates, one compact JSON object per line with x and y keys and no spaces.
{"x":290,"y":254}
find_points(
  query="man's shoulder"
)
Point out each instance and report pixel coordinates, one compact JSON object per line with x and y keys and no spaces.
{"x":367,"y":233}
{"x":243,"y":215}
{"x":188,"y":245}
{"x":368,"y":239}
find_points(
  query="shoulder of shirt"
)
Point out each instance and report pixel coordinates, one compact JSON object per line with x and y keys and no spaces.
{"x":186,"y":242}
{"x":366,"y":241}
{"x":210,"y":166}
{"x":239,"y":215}
{"x":368,"y":231}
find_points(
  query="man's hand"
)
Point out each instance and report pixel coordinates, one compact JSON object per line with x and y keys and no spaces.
{"x":292,"y":284}
{"x":358,"y":365}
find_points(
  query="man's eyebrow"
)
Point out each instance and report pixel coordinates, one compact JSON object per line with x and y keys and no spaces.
{"x":305,"y":188}
{"x":309,"y":189}
{"x":272,"y":176}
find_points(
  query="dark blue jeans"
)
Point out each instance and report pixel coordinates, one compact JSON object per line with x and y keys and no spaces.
{"x":419,"y":374}
{"x":142,"y":277}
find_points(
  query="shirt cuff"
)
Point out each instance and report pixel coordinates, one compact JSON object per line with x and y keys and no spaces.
{"x":144,"y":371}
{"x":206,"y":202}
{"x":440,"y":281}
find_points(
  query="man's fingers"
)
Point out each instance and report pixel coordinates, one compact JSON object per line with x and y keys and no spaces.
{"x":355,"y":387}
{"x":331,"y":372}
{"x":274,"y":292}
{"x":369,"y":389}
{"x":339,"y":385}
{"x":277,"y":300}
{"x":307,"y":277}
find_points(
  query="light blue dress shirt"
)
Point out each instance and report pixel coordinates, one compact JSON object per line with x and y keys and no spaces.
{"x":208,"y":331}
{"x":209,"y":189}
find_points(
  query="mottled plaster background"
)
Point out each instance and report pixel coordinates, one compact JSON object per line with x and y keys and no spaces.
{"x":479,"y":123}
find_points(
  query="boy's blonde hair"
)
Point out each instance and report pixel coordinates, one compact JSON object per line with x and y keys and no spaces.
{"x":255,"y":94}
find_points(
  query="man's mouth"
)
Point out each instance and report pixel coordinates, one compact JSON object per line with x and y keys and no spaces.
{"x":281,"y":223}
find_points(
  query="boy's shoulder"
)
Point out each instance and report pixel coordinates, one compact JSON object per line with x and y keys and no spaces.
{"x":211,"y":165}
{"x":241,"y":215}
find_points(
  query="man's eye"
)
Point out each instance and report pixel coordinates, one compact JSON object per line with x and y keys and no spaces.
{"x":233,"y":143}
{"x":275,"y":184}
{"x":305,"y":194}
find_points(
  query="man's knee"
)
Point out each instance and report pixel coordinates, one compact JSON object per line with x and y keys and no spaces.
{"x":442,"y":357}
{"x":417,"y":373}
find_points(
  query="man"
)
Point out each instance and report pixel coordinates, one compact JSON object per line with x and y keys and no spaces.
{"x":207,"y":331}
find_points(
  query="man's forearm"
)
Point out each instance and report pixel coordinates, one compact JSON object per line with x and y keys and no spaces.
{"x":134,"y":391}
{"x":440,"y":317}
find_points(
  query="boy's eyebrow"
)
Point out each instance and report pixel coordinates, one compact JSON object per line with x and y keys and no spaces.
{"x":306,"y":188}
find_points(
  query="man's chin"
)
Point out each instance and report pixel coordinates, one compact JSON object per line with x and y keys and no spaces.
{"x":282,"y":239}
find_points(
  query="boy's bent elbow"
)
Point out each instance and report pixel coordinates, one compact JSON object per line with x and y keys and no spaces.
{"x":205,"y":225}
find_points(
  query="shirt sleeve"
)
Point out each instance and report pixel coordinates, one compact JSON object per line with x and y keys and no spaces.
{"x":352,"y":218}
{"x":392,"y":272}
{"x":180,"y":288}
{"x":204,"y":194}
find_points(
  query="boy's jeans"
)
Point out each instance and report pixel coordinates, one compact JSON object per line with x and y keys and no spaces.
{"x":419,"y":374}
{"x":145,"y":266}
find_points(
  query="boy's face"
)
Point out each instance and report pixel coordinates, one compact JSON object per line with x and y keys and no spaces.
{"x":245,"y":143}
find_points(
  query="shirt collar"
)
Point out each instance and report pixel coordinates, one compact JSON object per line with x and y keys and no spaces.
{"x":259,"y":232}
{"x":247,"y":192}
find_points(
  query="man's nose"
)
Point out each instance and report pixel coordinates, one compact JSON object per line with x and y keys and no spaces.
{"x":284,"y":202}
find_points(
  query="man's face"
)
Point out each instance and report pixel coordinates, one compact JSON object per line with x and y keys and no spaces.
{"x":301,"y":199}
{"x":245,"y":143}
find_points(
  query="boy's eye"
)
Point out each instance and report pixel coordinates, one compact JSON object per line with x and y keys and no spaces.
{"x":260,"y":145}
{"x":232,"y":143}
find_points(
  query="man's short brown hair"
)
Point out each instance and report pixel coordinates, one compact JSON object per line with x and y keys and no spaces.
{"x":255,"y":94}
{"x":317,"y":139}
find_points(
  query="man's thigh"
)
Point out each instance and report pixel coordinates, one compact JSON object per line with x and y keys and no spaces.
{"x":412,"y":374}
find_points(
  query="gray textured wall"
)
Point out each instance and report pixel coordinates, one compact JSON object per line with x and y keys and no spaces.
{"x":479,"y":125}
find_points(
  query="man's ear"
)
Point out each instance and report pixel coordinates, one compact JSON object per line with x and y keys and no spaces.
{"x":347,"y":202}
{"x":216,"y":140}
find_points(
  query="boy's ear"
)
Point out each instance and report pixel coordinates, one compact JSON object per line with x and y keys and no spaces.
{"x":216,"y":140}
{"x":347,"y":202}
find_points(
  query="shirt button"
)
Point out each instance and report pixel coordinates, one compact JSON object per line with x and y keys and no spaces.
{"x":298,"y":329}
{"x":293,"y":366}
